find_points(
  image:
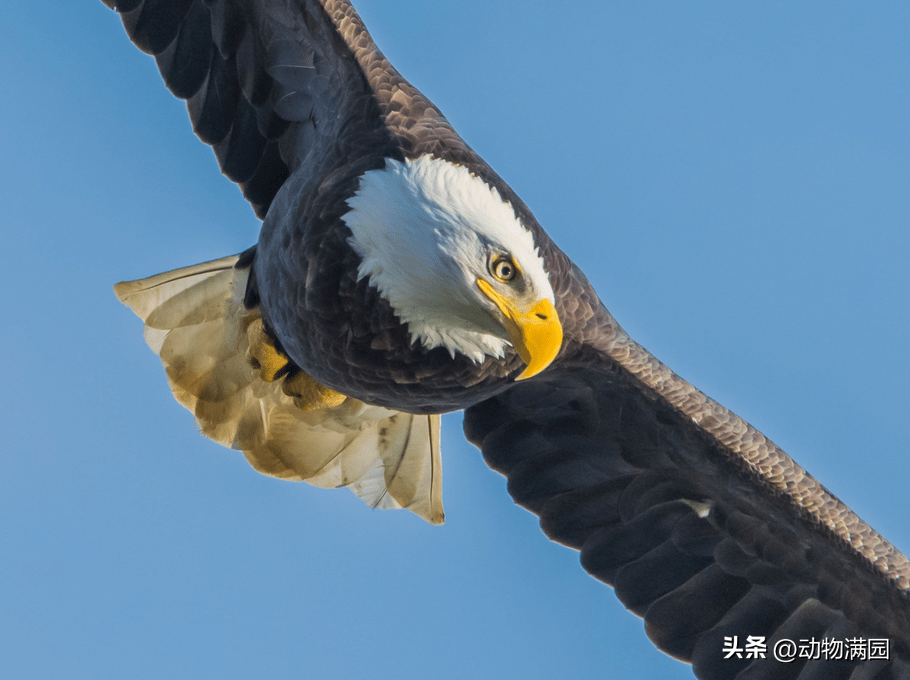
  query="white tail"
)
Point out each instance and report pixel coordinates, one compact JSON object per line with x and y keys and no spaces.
{"x":195,"y":321}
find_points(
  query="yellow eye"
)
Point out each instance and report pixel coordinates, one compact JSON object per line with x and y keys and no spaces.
{"x":503,"y":269}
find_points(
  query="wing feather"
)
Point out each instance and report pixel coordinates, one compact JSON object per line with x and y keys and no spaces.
{"x":694,"y":540}
{"x":277,"y":85}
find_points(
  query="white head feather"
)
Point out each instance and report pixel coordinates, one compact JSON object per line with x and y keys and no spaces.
{"x":425,"y":230}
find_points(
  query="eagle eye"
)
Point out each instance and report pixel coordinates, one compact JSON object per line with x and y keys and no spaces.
{"x":503,"y":269}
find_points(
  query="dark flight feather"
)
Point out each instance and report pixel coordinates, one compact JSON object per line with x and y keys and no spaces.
{"x":695,"y":541}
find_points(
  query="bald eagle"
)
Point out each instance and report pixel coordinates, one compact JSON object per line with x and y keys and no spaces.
{"x":397,"y":277}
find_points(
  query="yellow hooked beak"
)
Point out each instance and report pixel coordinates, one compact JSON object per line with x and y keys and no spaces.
{"x":536,"y":334}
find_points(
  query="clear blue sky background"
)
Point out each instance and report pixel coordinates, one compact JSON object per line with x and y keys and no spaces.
{"x":733,"y":177}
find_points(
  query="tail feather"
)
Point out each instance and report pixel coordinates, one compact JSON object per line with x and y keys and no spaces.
{"x":196,"y":322}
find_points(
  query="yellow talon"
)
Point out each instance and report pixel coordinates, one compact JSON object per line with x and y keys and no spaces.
{"x":262,"y":353}
{"x":310,"y":395}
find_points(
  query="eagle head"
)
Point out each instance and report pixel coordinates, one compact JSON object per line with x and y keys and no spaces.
{"x":454,"y":262}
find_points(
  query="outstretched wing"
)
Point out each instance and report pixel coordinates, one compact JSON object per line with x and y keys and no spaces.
{"x":277,"y":85}
{"x":704,"y":527}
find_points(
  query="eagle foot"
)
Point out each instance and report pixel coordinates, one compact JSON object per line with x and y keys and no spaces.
{"x":308,"y":394}
{"x":262,"y":354}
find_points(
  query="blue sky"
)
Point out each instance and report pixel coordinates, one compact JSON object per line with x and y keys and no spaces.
{"x":733,"y":178}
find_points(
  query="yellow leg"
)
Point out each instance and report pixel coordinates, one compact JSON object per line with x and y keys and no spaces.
{"x":308,"y":394}
{"x":262,"y":353}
